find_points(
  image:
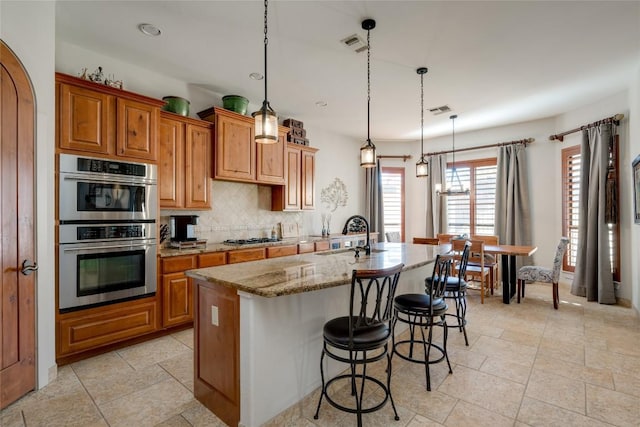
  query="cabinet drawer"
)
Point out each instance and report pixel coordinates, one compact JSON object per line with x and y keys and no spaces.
{"x":277,"y":251}
{"x":106,"y":326}
{"x":305,"y":248}
{"x":322,"y":246}
{"x":178,"y":264}
{"x":212,"y":259}
{"x":244,"y":255}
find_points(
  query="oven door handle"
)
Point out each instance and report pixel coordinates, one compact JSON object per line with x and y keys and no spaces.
{"x":93,"y":248}
{"x":138,"y":181}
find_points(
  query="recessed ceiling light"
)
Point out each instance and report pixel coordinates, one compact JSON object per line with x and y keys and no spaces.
{"x":150,"y":30}
{"x":256,"y":76}
{"x":321,"y":103}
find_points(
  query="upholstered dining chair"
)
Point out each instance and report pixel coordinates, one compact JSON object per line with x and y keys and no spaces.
{"x":532,"y":273}
{"x":393,"y":236}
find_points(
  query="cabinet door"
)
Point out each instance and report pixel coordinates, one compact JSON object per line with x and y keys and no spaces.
{"x":170,"y":165}
{"x":292,"y":189}
{"x":307,"y":180}
{"x":270,"y":167}
{"x":235,"y":149}
{"x":197,"y":167}
{"x":137,"y":124}
{"x":86,"y":120}
{"x":177,"y":299}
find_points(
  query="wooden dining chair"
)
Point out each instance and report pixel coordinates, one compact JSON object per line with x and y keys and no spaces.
{"x":490,"y":261}
{"x":425,"y":241}
{"x":476,"y":268}
{"x":445,"y":238}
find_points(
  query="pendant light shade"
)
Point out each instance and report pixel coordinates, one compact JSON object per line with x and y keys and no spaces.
{"x":422,"y":167}
{"x":368,"y":150}
{"x":266,"y":120}
{"x":459,"y":189}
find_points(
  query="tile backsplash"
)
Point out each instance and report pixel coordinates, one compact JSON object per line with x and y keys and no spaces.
{"x":238,"y":211}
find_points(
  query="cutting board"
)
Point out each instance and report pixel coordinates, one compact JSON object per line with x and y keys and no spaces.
{"x":289,"y":229}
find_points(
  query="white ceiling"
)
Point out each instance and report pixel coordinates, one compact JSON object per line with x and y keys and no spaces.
{"x":493,"y":63}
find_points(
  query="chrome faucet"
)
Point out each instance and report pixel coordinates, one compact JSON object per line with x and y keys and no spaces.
{"x":345,"y":230}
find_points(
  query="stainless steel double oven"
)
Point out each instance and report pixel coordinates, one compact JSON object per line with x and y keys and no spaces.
{"x":107,"y":231}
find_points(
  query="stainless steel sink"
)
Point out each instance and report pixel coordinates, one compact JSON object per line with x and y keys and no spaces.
{"x":348,"y":251}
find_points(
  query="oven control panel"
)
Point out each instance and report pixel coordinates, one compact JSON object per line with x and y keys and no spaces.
{"x":110,"y":232}
{"x":110,"y":166}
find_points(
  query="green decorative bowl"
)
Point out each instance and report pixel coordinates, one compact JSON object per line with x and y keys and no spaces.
{"x":177,"y":105}
{"x":235,"y":103}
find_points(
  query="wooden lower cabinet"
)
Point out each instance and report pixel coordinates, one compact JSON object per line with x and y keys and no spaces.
{"x":96,"y":327}
{"x":244,"y":255}
{"x":322,"y":245}
{"x":177,"y":299}
{"x":278,"y":251}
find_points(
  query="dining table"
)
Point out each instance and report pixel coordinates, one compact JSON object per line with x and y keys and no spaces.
{"x":508,"y":254}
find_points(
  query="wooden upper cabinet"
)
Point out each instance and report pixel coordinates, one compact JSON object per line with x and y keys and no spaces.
{"x":307,"y":178}
{"x":171,"y":162}
{"x":271,"y":166}
{"x":137,"y":127}
{"x":87,"y":119}
{"x":97,"y":119}
{"x":184,"y":162}
{"x":235,"y":148}
{"x":197,"y":167}
{"x":299,"y":191}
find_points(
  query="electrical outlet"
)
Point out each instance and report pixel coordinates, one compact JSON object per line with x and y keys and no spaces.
{"x":214,"y":315}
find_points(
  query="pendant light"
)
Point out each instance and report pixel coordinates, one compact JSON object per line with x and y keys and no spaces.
{"x":422,"y":167}
{"x":368,"y":150}
{"x":266,"y":120}
{"x":458,"y":190}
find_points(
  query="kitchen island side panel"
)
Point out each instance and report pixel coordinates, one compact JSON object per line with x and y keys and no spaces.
{"x":281,"y":343}
{"x":216,"y":350}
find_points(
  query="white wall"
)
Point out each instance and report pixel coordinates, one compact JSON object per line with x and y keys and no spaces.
{"x":634,"y":150}
{"x":28,"y":28}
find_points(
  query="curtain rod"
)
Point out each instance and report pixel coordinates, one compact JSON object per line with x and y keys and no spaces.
{"x":499,"y":144}
{"x":613,"y":119}
{"x":404,"y":157}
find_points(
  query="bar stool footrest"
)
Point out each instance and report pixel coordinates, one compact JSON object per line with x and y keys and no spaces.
{"x":354,"y":410}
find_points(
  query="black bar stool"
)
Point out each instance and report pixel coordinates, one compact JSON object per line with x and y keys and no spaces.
{"x":425,"y":311}
{"x":362,"y":337}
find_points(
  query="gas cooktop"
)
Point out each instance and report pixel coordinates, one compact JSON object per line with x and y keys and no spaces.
{"x":250,"y":241}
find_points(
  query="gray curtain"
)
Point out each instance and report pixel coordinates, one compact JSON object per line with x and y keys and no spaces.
{"x":592,"y":277}
{"x":373,"y":203}
{"x":436,"y":207}
{"x":512,"y":213}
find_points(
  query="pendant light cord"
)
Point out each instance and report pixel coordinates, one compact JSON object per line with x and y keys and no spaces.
{"x":368,"y":84}
{"x":422,"y":117}
{"x":266,"y":42}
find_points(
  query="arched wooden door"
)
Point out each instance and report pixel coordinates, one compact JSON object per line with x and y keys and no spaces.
{"x":17,"y":232}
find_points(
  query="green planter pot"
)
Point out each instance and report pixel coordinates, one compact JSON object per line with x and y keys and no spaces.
{"x":235,"y":103}
{"x":177,"y":105}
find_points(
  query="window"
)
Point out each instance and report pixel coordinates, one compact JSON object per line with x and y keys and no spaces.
{"x":393,"y":200}
{"x":570,"y":203}
{"x":475,"y":213}
{"x":571,"y":164}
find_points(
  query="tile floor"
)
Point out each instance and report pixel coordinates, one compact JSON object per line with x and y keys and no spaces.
{"x":526,"y":365}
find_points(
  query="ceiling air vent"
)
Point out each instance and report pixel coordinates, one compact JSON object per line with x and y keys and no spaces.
{"x":439,"y":110}
{"x":355,"y":43}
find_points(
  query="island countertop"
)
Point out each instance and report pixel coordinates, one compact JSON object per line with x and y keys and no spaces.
{"x":309,"y":272}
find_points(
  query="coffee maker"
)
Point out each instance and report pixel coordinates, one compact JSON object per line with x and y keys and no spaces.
{"x":183,"y":227}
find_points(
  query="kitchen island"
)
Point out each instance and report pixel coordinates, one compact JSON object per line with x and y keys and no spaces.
{"x":258,"y":325}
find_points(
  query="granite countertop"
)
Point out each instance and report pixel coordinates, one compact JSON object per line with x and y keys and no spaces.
{"x":221,"y":247}
{"x":309,"y":272}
